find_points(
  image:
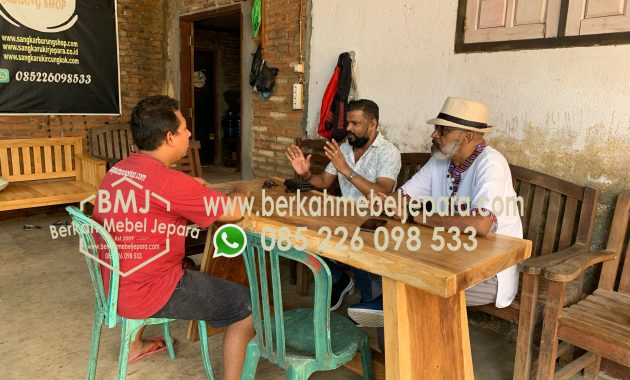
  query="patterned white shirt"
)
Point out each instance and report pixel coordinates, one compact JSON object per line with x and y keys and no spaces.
{"x":382,"y":159}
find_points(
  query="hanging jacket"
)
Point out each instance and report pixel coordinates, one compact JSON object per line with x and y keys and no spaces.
{"x":332,"y":118}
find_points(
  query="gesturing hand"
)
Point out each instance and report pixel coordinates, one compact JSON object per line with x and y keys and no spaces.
{"x":335,"y":156}
{"x":300,"y":164}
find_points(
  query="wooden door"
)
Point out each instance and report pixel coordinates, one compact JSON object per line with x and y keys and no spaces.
{"x":186,"y":64}
{"x":504,"y":20}
{"x":597,"y":17}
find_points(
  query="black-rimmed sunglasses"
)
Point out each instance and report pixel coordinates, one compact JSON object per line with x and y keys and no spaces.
{"x":442,"y":129}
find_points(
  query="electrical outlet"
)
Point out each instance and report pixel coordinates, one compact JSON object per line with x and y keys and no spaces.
{"x":299,"y":68}
{"x":298,"y":96}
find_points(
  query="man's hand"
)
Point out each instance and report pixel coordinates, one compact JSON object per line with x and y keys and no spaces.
{"x":400,"y":210}
{"x":240,"y":189}
{"x":332,"y":151}
{"x":300,"y":164}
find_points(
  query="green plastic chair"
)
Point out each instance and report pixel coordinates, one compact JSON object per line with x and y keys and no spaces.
{"x":105,"y":308}
{"x":301,"y":341}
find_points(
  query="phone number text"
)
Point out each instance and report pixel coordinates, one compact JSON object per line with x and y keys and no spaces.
{"x":36,"y":76}
{"x":383,"y":239}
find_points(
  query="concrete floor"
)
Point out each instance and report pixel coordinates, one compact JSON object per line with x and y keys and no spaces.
{"x":46,"y":306}
{"x":46,"y":309}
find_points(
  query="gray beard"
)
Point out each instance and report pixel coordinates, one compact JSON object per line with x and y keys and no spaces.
{"x":447,"y":152}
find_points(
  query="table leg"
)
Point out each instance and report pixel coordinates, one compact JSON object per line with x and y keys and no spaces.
{"x":426,"y":336}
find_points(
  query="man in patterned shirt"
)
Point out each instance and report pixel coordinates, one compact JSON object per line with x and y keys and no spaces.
{"x":364,"y":163}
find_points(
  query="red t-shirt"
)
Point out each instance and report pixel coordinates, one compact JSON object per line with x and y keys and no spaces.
{"x":145,"y":205}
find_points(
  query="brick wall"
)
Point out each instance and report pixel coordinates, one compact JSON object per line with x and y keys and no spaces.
{"x":141,"y":71}
{"x":188,"y":6}
{"x":275,"y":123}
{"x":227,"y":46}
{"x":231,"y":60}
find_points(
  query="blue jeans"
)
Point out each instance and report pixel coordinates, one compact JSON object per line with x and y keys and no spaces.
{"x":370,"y":285}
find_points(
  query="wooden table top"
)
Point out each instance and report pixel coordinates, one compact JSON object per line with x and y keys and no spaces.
{"x":444,"y":273}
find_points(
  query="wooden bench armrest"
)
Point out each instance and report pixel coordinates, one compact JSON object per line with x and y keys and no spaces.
{"x":535,"y":265}
{"x":571,"y":268}
{"x":90,"y":169}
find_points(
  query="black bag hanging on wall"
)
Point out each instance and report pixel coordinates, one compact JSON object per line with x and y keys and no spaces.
{"x":256,"y":66}
{"x":266,"y":78}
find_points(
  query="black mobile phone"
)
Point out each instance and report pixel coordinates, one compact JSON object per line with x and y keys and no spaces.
{"x":371,"y":225}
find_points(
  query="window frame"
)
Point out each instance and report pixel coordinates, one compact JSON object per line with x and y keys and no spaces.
{"x":561,"y":41}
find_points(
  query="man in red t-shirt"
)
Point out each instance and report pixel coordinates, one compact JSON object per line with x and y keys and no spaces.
{"x":145,"y":205}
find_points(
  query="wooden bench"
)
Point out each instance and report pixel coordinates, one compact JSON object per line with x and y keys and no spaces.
{"x":110,"y":143}
{"x":114,"y":143}
{"x":599,"y":324}
{"x":558,"y":218}
{"x":47,"y":171}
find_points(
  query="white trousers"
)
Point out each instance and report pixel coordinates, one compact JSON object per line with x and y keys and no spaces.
{"x":483,"y":293}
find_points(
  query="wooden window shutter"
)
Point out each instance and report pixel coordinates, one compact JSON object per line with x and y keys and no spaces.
{"x":506,"y":20}
{"x":597,"y":17}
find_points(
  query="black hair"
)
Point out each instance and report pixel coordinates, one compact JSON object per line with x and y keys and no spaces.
{"x":151,"y":119}
{"x":369,"y":108}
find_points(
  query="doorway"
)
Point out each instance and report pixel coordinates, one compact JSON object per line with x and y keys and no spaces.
{"x":210,"y":64}
{"x":205,"y":105}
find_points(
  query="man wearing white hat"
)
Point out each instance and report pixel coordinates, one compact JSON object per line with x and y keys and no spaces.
{"x":463,"y":166}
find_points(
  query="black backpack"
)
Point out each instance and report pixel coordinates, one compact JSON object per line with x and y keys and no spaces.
{"x":266,"y":78}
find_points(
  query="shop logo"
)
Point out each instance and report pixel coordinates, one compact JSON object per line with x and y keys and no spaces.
{"x":47,"y":16}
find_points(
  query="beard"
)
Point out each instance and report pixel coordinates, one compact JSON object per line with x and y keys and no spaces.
{"x":357,"y":142}
{"x":445,"y":152}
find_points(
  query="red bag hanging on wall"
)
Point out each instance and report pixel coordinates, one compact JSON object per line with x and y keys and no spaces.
{"x":327,"y":101}
{"x":332,"y":117}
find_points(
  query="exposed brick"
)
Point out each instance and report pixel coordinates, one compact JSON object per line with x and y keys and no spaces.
{"x":277,"y":115}
{"x":140,"y":34}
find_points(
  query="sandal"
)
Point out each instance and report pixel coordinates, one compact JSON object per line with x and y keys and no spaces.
{"x":159,"y":344}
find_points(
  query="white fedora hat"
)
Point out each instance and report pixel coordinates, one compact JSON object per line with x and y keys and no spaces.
{"x":464,"y":114}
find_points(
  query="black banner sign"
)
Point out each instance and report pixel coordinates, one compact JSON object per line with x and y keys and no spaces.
{"x":59,"y":57}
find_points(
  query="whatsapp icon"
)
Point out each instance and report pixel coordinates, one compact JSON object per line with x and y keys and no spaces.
{"x":229,"y":240}
{"x":5,"y":77}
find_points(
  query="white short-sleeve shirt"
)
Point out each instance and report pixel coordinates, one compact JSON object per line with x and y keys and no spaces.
{"x":381,"y":159}
{"x":487,"y":182}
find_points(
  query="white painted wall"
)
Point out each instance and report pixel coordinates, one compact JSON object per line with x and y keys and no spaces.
{"x":553,"y":109}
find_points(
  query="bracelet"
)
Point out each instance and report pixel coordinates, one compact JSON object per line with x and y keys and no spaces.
{"x":352,"y":175}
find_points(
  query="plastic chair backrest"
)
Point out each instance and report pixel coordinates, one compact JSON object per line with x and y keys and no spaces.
{"x":86,"y":227}
{"x":257,"y":273}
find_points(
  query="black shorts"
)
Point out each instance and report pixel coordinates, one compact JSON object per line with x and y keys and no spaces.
{"x":199,"y":296}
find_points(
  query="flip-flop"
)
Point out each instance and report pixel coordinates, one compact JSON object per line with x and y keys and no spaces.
{"x":159,"y":344}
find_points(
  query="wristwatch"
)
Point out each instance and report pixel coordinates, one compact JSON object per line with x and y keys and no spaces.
{"x":352,"y":175}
